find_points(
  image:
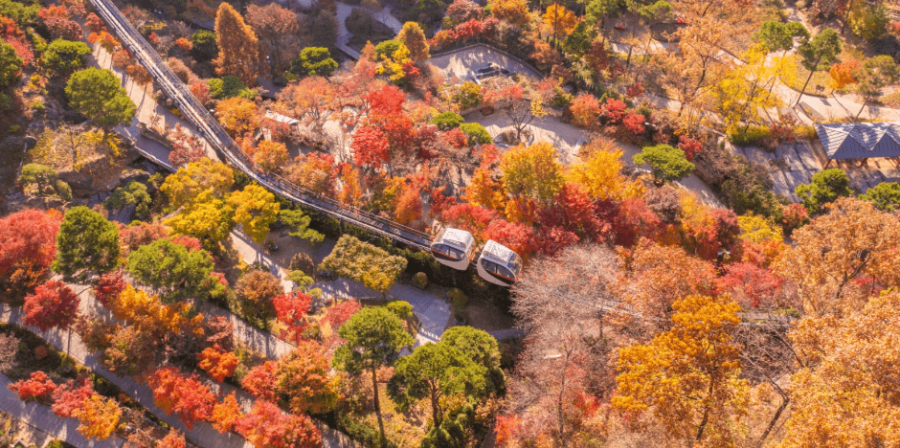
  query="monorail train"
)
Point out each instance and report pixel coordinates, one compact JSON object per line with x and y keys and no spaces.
{"x":454,"y":248}
{"x":496,"y":264}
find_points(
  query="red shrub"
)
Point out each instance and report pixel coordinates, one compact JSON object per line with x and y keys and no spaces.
{"x":38,"y":387}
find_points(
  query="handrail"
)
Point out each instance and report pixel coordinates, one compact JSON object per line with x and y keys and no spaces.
{"x":219,"y":139}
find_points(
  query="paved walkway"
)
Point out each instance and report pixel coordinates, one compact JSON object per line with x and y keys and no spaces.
{"x":42,"y":418}
{"x":147,"y":111}
{"x":460,"y":63}
{"x":433,"y":312}
{"x":568,"y":138}
{"x":203,"y":433}
{"x":343,"y":11}
{"x":824,"y":108}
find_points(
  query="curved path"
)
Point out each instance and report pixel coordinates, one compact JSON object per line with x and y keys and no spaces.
{"x":41,"y":417}
{"x":216,"y":136}
{"x":203,"y":434}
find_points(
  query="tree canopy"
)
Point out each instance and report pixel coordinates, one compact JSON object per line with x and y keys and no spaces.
{"x":87,"y":244}
{"x":666,"y":163}
{"x":96,"y":94}
{"x":172,"y":270}
{"x":365,"y":263}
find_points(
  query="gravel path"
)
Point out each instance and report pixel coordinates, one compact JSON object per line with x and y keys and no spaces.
{"x":568,"y":138}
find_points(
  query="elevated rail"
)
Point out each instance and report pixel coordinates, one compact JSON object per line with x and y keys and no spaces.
{"x":219,"y":139}
{"x":213,"y":132}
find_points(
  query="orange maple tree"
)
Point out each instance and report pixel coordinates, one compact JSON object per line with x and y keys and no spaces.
{"x":217,"y":363}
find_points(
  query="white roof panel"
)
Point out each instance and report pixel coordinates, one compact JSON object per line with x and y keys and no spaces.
{"x":281,"y":118}
{"x":457,"y":237}
{"x":497,"y":252}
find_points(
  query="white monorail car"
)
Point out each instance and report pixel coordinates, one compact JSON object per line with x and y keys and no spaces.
{"x":454,"y":248}
{"x":498,"y":264}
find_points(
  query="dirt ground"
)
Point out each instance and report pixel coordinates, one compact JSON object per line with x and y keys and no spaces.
{"x":10,"y":158}
{"x":487,"y":317}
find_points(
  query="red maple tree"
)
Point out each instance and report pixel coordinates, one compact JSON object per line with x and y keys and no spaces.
{"x":108,"y":287}
{"x":28,"y":240}
{"x":471,"y":218}
{"x":341,"y":313}
{"x":290,"y":308}
{"x":71,"y":396}
{"x":260,"y":381}
{"x":370,"y":147}
{"x":266,"y":425}
{"x":517,"y":236}
{"x":38,"y":387}
{"x":186,"y":396}
{"x":53,"y":305}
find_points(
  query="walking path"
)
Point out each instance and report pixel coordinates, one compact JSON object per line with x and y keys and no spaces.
{"x":824,"y":108}
{"x":203,"y":433}
{"x":41,"y":417}
{"x":433,"y":312}
{"x":147,"y":111}
{"x":343,"y":11}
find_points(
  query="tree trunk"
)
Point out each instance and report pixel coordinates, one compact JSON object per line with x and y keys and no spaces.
{"x":861,"y":109}
{"x":705,"y":412}
{"x":436,"y":406}
{"x":630,"y":46}
{"x":378,"y":408}
{"x":784,"y":402}
{"x":803,"y":90}
{"x":559,"y":404}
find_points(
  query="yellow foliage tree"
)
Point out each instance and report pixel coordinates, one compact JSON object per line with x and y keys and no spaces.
{"x":688,"y":377}
{"x":486,"y":192}
{"x":513,"y":11}
{"x":190,"y":180}
{"x":560,"y":20}
{"x":853,"y":241}
{"x":842,"y":74}
{"x":393,"y":65}
{"x":846,"y":393}
{"x":207,"y":218}
{"x":225,"y":414}
{"x":271,"y":155}
{"x":99,"y":417}
{"x":532,"y":172}
{"x":759,"y":229}
{"x":351,"y":190}
{"x":599,"y":175}
{"x":238,"y":115}
{"x":238,"y":46}
{"x":747,"y":87}
{"x":255,"y":209}
{"x":413,"y":38}
{"x":762,"y":239}
{"x":147,"y":313}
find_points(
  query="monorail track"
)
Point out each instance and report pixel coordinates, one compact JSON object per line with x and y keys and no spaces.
{"x":213,"y":132}
{"x":210,"y":129}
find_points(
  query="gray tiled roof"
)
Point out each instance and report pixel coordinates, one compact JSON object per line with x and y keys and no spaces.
{"x":860,"y":140}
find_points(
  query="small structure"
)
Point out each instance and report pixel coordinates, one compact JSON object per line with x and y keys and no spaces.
{"x":275,"y":123}
{"x":859,"y":140}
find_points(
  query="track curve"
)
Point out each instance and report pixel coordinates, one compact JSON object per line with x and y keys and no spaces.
{"x":213,"y":132}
